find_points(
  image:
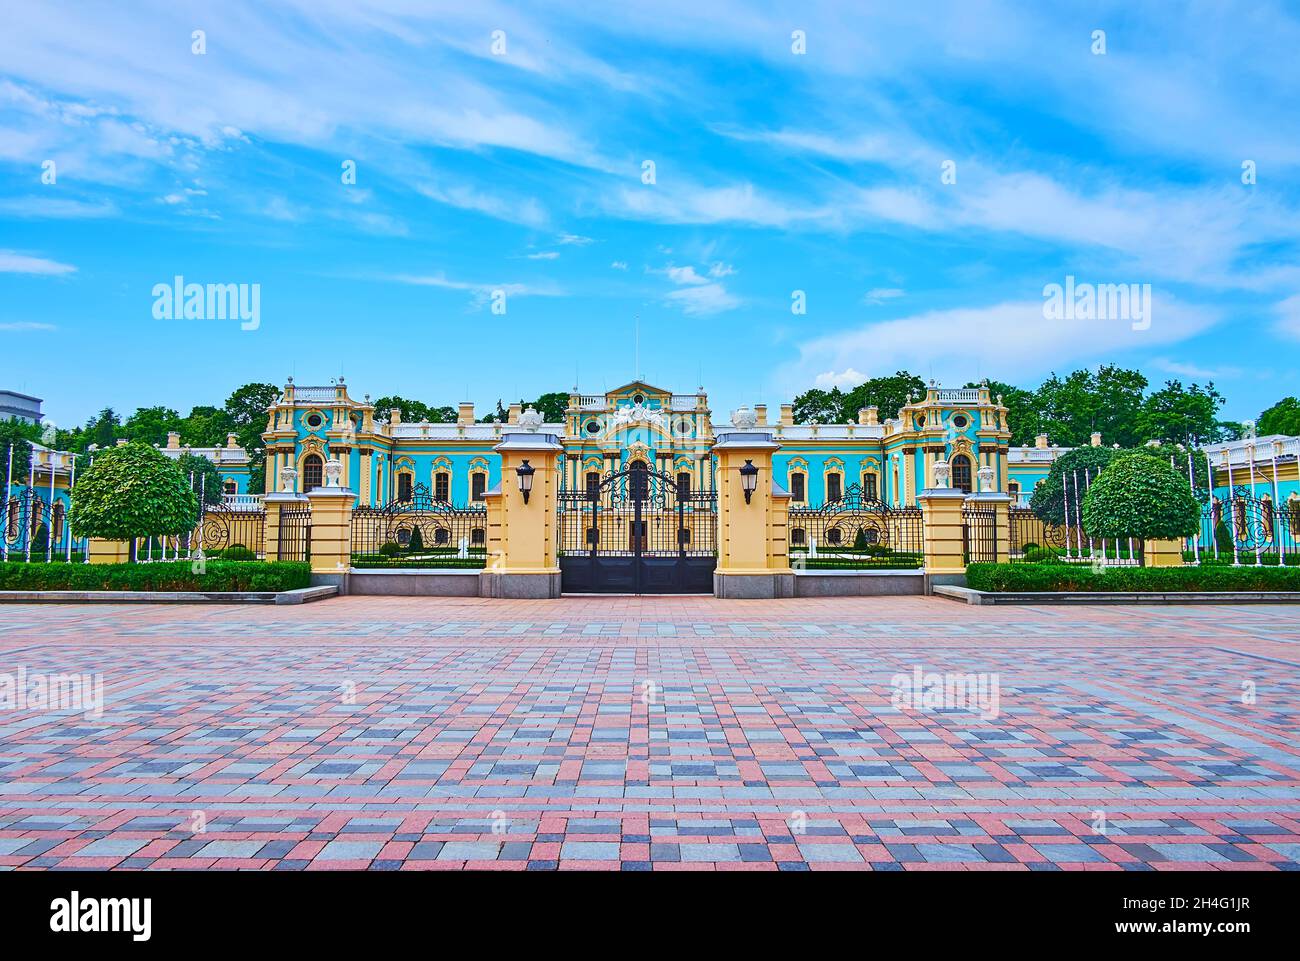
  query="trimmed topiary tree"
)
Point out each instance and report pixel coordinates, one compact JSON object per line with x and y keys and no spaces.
{"x":133,"y":491}
{"x":1141,"y":497}
{"x":1048,"y":499}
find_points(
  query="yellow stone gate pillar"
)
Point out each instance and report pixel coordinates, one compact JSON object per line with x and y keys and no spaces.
{"x":1166,"y":553}
{"x":331,"y":529}
{"x":943,"y":530}
{"x":523,"y":559}
{"x":108,"y":552}
{"x":753,"y":551}
{"x":989,"y":498}
{"x":286,"y":498}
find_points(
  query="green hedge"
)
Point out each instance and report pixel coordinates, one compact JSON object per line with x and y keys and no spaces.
{"x":1001,"y":578}
{"x":168,"y":576}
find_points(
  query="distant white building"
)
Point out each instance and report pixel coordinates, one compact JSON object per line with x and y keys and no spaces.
{"x":16,"y":406}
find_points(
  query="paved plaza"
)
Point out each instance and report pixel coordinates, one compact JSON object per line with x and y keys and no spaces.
{"x":654,"y":734}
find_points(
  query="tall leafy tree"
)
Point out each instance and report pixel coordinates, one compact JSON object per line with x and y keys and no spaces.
{"x":246,"y":408}
{"x":1282,"y":418}
{"x":150,"y":425}
{"x":133,"y":491}
{"x":551,"y":406}
{"x":202,"y":476}
{"x":17,"y":435}
{"x":1022,"y":410}
{"x":817,"y":406}
{"x":1141,"y":497}
{"x":1182,"y":415}
{"x":887,"y":393}
{"x":206,"y":427}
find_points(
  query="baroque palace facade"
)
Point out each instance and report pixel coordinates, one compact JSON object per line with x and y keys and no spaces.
{"x":385,"y":458}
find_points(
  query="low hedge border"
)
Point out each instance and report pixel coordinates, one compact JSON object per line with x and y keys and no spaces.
{"x":1014,"y":578}
{"x":165,"y":576}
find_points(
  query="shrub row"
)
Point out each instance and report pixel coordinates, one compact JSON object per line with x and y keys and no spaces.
{"x":1002,"y":578}
{"x":169,"y":576}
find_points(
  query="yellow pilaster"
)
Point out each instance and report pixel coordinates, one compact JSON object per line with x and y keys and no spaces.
{"x":753,"y":552}
{"x":331,"y":531}
{"x":943,"y":527}
{"x":109,"y":552}
{"x":522,"y":561}
{"x":1166,"y":553}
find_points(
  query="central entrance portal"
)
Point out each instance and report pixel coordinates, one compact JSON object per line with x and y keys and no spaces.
{"x":638,"y":531}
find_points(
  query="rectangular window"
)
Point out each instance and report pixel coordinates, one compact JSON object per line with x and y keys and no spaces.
{"x":477,"y":484}
{"x":403,"y":487}
{"x":593,"y":485}
{"x":833,"y":491}
{"x":797,"y":489}
{"x":442,"y":487}
{"x":869,"y":491}
{"x":683,"y":485}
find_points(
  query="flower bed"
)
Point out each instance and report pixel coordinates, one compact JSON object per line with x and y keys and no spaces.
{"x":1014,"y":578}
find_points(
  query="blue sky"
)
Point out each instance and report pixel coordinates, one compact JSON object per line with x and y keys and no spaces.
{"x":521,"y":171}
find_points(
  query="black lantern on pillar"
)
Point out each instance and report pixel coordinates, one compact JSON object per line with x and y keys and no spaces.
{"x":525,"y":472}
{"x":748,"y":479}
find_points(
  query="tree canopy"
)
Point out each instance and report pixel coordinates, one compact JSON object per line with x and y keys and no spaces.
{"x":1282,"y":418}
{"x":1142,"y":497}
{"x":133,"y":491}
{"x":17,"y":435}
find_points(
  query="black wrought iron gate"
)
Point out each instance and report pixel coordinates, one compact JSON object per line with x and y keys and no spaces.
{"x":638,"y":531}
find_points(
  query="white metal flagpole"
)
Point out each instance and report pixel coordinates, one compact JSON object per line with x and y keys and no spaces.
{"x":49,"y":529}
{"x":9,"y":474}
{"x":67,"y":518}
{"x":27,"y":521}
{"x":1232,"y":502}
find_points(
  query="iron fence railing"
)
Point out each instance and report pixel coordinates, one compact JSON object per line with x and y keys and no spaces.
{"x":419,"y":532}
{"x":856,"y":532}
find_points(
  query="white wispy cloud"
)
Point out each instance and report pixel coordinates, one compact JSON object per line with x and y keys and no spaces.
{"x":1009,"y":341}
{"x":13,"y":262}
{"x":21,"y":326}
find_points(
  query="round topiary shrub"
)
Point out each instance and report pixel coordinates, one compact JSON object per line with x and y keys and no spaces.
{"x":238,"y":552}
{"x":1141,"y":497}
{"x":390,"y":549}
{"x":1040,"y":555}
{"x":130,"y":492}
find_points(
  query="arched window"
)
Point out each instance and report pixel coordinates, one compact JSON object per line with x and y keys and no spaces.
{"x":1266,"y":505}
{"x":313,"y":470}
{"x":834,"y":535}
{"x":229,"y":487}
{"x":56,"y":525}
{"x":797,"y":536}
{"x":15,"y":512}
{"x":442,"y":536}
{"x":478,"y":536}
{"x":798,"y":487}
{"x":961,"y":473}
{"x":640,"y":481}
